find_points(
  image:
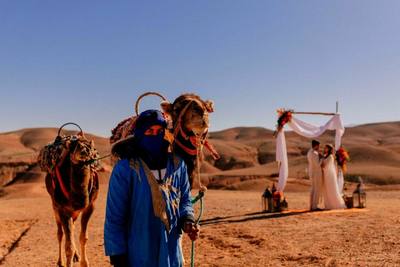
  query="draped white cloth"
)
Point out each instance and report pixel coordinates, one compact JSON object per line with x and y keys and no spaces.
{"x":310,"y":131}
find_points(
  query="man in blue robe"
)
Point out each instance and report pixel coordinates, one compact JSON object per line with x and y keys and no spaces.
{"x":148,"y":202}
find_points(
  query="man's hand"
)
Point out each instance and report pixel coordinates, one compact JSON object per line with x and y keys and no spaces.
{"x":192,"y":230}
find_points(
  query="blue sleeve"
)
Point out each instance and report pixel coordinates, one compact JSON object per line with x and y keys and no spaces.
{"x":185,"y":206}
{"x":117,"y":210}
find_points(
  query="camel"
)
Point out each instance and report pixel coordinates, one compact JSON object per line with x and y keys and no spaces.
{"x":73,"y":185}
{"x":190,"y":117}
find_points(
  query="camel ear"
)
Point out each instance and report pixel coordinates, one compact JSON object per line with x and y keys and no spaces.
{"x":166,"y":107}
{"x":92,"y":143}
{"x":209,"y":105}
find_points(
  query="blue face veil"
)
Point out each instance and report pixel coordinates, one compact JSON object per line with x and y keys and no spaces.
{"x":153,"y":149}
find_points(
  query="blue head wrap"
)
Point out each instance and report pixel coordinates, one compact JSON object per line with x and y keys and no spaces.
{"x":146,"y":119}
{"x":153,"y":149}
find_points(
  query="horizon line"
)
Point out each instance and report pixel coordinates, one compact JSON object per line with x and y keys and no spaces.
{"x":353,"y":125}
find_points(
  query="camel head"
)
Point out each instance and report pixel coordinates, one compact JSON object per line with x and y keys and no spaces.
{"x":192,"y":111}
{"x":81,"y":153}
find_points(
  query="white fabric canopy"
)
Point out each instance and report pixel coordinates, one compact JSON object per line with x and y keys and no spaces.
{"x":310,"y":131}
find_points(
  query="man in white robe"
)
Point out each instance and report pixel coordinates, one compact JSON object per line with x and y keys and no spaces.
{"x":315,"y":174}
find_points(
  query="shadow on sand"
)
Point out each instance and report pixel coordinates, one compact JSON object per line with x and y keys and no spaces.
{"x":263,"y":216}
{"x":251,"y":217}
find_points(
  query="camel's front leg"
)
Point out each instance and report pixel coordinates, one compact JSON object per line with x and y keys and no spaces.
{"x":83,"y":238}
{"x":68,"y":226}
{"x":60,"y":262}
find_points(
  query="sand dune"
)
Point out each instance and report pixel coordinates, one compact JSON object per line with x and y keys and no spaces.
{"x":248,"y":153}
{"x":374,"y":149}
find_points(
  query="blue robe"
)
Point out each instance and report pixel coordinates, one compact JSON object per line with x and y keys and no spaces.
{"x":131,"y":226}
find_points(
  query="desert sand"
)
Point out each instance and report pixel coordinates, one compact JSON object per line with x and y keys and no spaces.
{"x":233,"y":231}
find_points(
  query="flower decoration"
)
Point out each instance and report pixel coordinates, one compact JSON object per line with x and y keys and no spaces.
{"x":342,"y":157}
{"x":285,"y":116}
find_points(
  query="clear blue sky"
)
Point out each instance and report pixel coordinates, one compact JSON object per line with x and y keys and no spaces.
{"x":87,"y":61}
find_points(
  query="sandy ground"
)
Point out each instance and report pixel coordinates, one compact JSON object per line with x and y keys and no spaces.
{"x":233,"y":232}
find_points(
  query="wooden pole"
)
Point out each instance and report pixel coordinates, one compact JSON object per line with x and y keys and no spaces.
{"x":314,"y":113}
{"x":319,"y":113}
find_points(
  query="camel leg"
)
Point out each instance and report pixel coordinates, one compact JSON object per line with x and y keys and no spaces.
{"x":76,"y":257}
{"x":83,"y":238}
{"x":60,"y":262}
{"x":68,"y":227}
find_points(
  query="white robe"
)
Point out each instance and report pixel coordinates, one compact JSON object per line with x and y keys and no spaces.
{"x":315,"y":174}
{"x":332,"y":196}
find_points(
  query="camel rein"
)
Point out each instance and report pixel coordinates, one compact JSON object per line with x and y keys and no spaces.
{"x":199,"y":197}
{"x":91,"y":161}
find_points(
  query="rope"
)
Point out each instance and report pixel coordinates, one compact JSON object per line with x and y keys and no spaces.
{"x":196,"y":222}
{"x":179,"y":120}
{"x":199,"y":196}
{"x":91,"y":161}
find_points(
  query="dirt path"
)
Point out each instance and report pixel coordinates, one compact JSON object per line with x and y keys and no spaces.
{"x":233,"y":234}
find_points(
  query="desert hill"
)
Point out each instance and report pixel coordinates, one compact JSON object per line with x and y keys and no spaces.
{"x":19,"y":150}
{"x":374,"y":149}
{"x":247,"y":154}
{"x":19,"y":144}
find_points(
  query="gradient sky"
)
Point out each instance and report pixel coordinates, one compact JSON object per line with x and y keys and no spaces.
{"x":87,"y":61}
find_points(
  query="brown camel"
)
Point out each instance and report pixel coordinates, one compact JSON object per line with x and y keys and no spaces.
{"x":190,"y":116}
{"x":72,"y":184}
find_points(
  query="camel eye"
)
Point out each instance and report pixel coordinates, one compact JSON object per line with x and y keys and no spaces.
{"x":197,"y":110}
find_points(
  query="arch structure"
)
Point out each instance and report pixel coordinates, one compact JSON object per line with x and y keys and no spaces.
{"x":309,"y":131}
